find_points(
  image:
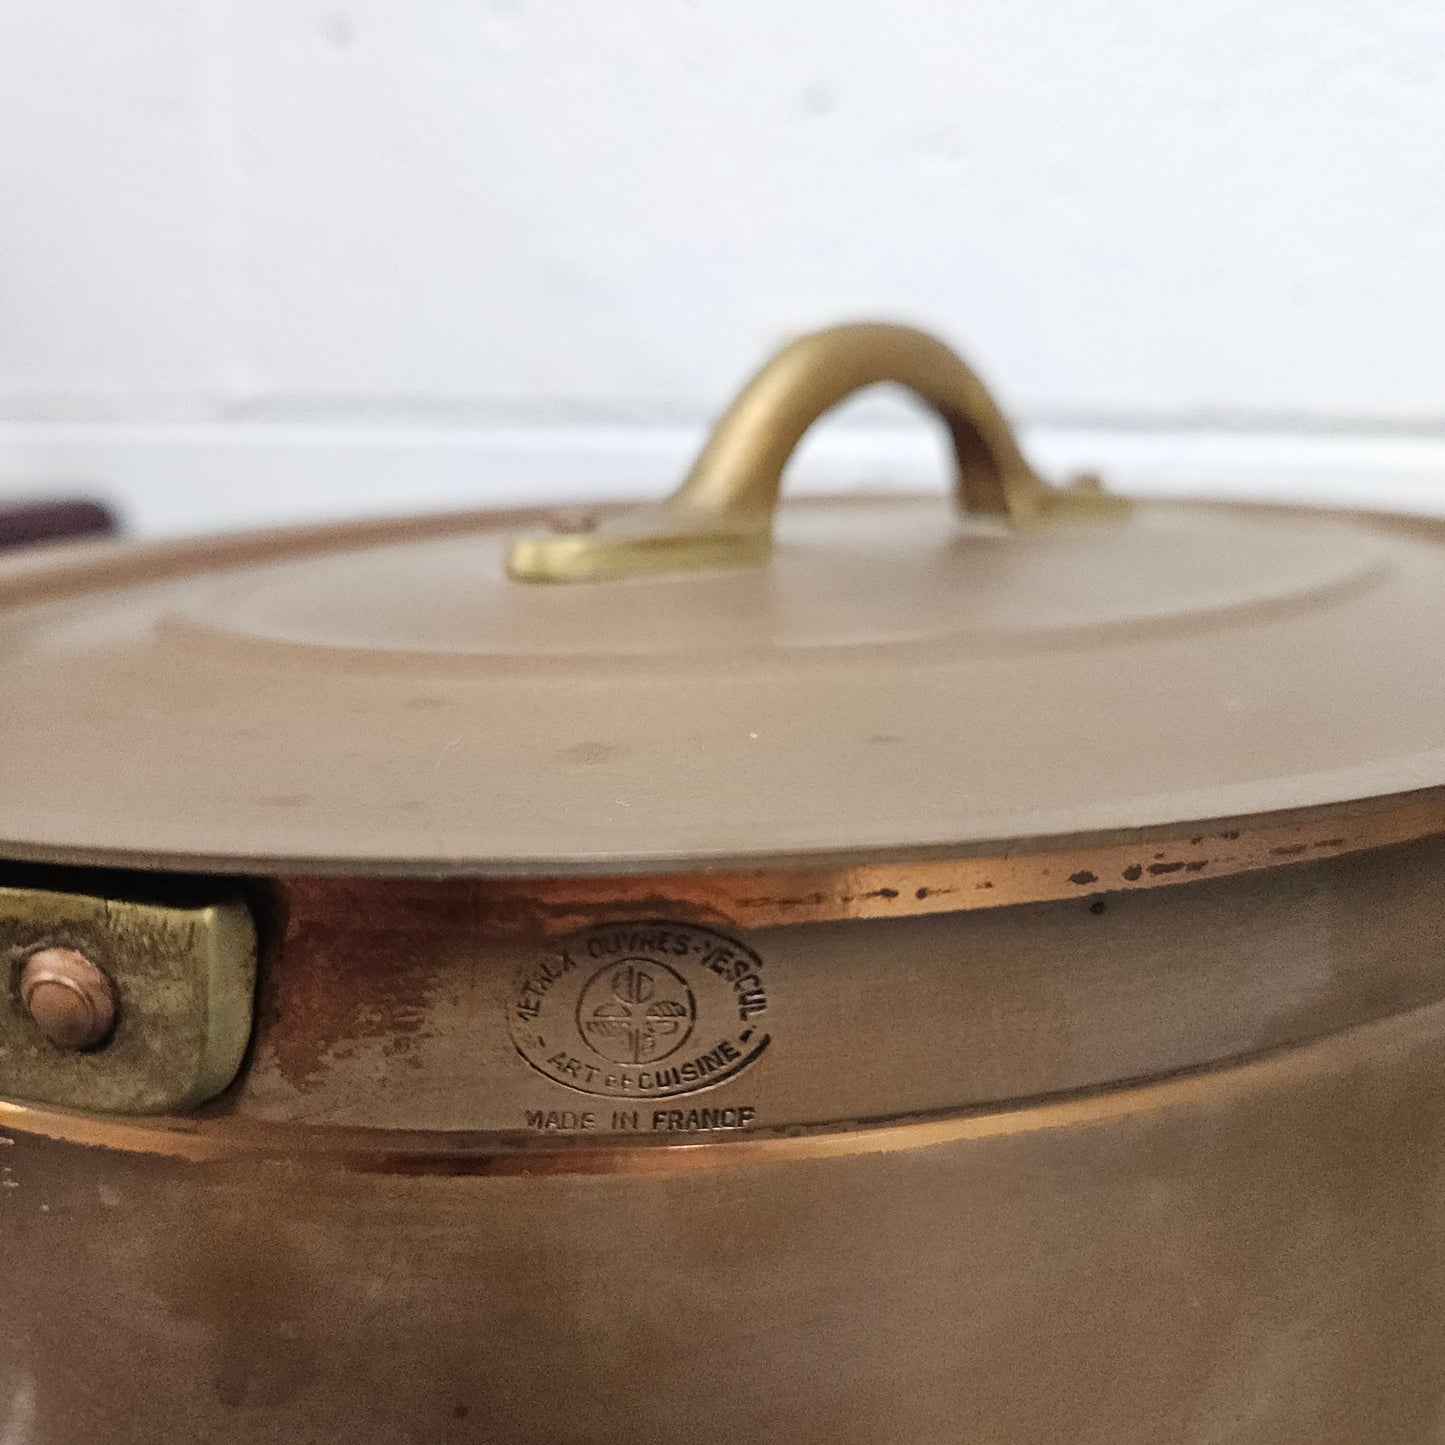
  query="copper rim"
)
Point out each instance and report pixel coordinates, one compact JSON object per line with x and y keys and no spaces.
{"x":767,"y":897}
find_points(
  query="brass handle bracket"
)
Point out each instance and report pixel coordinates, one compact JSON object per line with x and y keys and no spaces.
{"x":122,"y":1005}
{"x":723,"y":513}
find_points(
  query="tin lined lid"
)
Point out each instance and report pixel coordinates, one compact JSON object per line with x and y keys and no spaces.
{"x":890,"y":680}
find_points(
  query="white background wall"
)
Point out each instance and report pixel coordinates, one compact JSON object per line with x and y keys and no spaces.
{"x":264,"y":259}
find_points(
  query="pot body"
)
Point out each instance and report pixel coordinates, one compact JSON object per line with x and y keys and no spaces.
{"x":1112,"y":1168}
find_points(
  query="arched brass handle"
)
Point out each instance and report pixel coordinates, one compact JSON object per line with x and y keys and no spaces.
{"x":723,"y":513}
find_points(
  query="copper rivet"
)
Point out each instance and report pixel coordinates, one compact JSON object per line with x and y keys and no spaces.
{"x":69,"y":999}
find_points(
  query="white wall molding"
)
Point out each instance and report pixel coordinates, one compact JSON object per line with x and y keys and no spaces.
{"x":170,"y":479}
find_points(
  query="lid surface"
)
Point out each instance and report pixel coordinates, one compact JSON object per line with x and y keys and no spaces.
{"x":894,"y":681}
{"x":727,"y":681}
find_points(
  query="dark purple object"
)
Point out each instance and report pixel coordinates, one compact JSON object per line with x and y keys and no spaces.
{"x":24,"y":524}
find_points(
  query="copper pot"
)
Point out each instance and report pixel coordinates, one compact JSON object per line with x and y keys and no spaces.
{"x":936,"y":978}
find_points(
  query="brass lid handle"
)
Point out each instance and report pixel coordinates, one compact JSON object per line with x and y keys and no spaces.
{"x":723,"y":513}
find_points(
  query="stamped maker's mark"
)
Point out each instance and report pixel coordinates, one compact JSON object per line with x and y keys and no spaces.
{"x":641,"y":1010}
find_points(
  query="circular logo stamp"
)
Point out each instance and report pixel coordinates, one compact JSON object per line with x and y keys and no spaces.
{"x":641,"y":1010}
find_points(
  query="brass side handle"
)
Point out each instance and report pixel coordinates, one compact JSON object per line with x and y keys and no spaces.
{"x":116,"y":1004}
{"x":723,"y":512}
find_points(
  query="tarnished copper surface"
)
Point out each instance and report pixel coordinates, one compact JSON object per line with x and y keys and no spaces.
{"x":459,"y":1152}
{"x":379,"y":699}
{"x":767,"y":897}
{"x":67,"y":997}
{"x":438,"y":1005}
{"x":1169,"y":1156}
{"x":795,"y":1004}
{"x":1254,"y":1255}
